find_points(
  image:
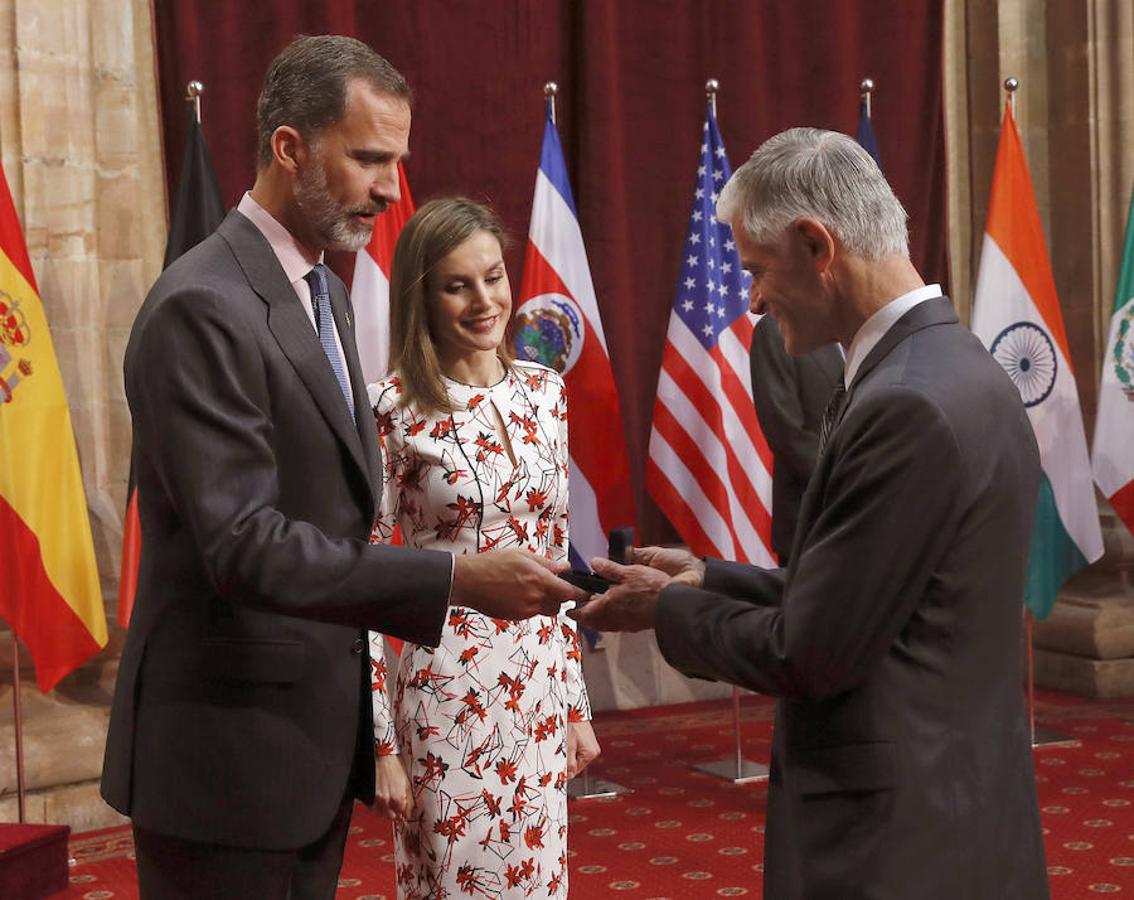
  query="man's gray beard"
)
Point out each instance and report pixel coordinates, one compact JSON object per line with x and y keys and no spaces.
{"x":330,"y":221}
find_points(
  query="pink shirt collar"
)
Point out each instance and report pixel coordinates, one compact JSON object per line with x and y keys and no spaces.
{"x":293,"y":256}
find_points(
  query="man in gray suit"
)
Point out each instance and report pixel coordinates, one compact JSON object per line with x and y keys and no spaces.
{"x":901,"y":759}
{"x":790,"y":394}
{"x":240,"y":733}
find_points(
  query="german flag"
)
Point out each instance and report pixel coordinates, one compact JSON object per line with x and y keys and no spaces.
{"x":197,"y":211}
{"x":49,"y":587}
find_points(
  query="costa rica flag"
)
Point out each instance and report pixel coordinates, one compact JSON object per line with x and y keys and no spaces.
{"x":557,"y":323}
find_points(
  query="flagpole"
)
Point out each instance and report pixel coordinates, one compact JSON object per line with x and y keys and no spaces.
{"x":866,"y":88}
{"x":1031,"y":685}
{"x":549,"y":91}
{"x":1011,"y":85}
{"x":1041,"y":737}
{"x":581,"y":787}
{"x":193,"y":92}
{"x":738,"y":770}
{"x":19,"y":730}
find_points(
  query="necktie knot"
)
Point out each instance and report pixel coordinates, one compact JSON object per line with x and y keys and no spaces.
{"x":317,"y":280}
{"x":324,"y":324}
{"x":831,"y":413}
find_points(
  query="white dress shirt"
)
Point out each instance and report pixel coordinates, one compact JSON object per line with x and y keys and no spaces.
{"x":875,"y":328}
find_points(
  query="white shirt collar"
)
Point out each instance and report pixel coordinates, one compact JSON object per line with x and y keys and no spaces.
{"x":874,"y":328}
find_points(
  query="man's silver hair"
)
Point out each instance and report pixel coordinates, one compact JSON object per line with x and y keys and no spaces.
{"x":825,"y":175}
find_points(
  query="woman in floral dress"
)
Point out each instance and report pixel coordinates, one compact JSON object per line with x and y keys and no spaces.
{"x":492,"y":723}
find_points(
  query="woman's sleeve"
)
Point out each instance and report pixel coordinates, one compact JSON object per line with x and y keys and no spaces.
{"x":383,"y":397}
{"x":387,"y":420}
{"x":578,"y":704}
{"x":385,"y":738}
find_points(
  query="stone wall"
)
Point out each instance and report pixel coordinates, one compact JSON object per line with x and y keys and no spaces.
{"x":80,"y":146}
{"x":80,"y":142}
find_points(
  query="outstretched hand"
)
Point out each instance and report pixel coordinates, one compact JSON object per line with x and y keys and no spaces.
{"x":511,"y":584}
{"x":627,"y":606}
{"x":681,"y":565}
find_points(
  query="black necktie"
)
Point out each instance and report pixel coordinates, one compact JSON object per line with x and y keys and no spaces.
{"x":325,"y":325}
{"x":831,"y":413}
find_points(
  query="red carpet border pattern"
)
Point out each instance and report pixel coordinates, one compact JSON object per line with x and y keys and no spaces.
{"x":683,"y":834}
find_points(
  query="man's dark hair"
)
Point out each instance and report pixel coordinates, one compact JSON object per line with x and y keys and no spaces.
{"x":306,"y":86}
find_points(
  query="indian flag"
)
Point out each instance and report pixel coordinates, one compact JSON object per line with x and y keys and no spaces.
{"x":49,"y":588}
{"x":1016,"y":314}
{"x":1114,"y":428}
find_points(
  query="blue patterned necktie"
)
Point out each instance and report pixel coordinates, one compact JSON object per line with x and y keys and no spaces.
{"x":325,"y":325}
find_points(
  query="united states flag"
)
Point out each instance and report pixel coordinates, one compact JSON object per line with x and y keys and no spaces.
{"x":710,"y":467}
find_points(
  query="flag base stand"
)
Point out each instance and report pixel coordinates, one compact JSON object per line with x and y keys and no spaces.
{"x":737,"y":770}
{"x":586,"y":788}
{"x":21,"y":790}
{"x":1045,"y":737}
{"x":1041,"y":737}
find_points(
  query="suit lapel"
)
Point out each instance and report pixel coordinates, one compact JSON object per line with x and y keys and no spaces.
{"x":830,"y":361}
{"x":938,"y":311}
{"x":297,"y":339}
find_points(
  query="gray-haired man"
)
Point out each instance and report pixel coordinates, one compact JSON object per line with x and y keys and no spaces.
{"x":901,"y":761}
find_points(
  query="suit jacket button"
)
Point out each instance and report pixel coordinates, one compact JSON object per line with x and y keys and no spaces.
{"x":358,"y":647}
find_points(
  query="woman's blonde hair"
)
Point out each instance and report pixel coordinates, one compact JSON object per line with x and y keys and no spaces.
{"x":431,"y":234}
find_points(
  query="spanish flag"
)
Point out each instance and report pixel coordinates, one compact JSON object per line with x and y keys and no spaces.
{"x":49,"y":587}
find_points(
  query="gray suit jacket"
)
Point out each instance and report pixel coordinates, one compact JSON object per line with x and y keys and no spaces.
{"x":901,"y":762}
{"x":242,"y":705}
{"x":790,"y":394}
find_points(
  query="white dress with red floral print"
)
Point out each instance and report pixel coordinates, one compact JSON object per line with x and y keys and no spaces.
{"x":482,"y":720}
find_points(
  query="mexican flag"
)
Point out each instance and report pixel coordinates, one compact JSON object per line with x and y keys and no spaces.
{"x":1016,"y":315}
{"x":1114,"y":428}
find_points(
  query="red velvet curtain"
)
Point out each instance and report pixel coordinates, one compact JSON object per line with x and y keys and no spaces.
{"x":631,"y":102}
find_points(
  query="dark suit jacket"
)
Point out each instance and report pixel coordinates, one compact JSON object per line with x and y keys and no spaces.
{"x":790,"y":394}
{"x":901,"y":761}
{"x":242,"y":704}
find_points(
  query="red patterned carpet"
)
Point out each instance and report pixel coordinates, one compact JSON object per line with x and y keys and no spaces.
{"x":682,"y":834}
